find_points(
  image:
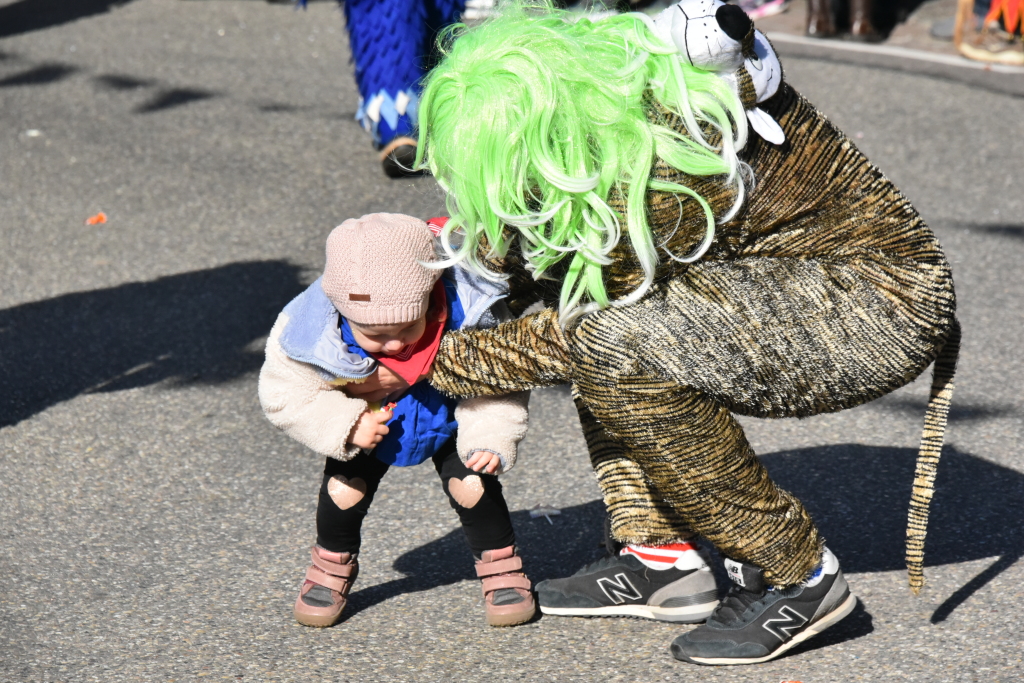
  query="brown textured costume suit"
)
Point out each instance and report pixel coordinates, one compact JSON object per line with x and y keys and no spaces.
{"x":826,"y":292}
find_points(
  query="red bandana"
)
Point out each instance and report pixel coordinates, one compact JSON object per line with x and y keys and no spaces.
{"x":415,"y":360}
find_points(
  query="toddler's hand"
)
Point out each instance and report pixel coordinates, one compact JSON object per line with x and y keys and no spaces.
{"x":370,"y":429}
{"x":484,"y":461}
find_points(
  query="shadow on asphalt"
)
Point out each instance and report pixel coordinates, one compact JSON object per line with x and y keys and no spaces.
{"x":1014,"y":230}
{"x":121,"y":82}
{"x":192,"y":327}
{"x":173,"y":97}
{"x":164,"y":96}
{"x":960,"y":411}
{"x":857,"y":494}
{"x":42,"y":74}
{"x":549,"y":551}
{"x":35,"y":15}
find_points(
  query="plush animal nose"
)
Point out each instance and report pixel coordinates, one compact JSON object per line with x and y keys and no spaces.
{"x":734,"y":21}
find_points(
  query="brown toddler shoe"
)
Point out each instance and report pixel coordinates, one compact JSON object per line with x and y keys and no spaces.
{"x":325,"y":591}
{"x":508,"y":599}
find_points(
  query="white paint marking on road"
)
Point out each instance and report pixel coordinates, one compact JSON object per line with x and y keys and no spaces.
{"x":902,"y":52}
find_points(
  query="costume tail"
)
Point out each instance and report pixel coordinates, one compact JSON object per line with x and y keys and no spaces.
{"x":929,"y":453}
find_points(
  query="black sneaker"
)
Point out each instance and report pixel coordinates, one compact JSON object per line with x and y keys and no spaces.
{"x":756,"y":623}
{"x":623,"y":586}
{"x":398,"y":158}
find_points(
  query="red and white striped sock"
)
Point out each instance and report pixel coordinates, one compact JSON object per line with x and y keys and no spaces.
{"x":679,"y":555}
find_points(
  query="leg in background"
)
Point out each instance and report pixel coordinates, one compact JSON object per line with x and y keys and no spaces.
{"x":820,"y":23}
{"x":391,"y":42}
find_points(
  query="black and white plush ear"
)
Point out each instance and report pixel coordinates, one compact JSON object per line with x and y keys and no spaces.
{"x":766,"y":73}
{"x":714,"y":36}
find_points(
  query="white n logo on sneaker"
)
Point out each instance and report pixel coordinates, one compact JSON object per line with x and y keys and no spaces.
{"x":618,"y":589}
{"x":789,"y":621}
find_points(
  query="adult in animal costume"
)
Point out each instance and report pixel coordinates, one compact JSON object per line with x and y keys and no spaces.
{"x":707,"y":244}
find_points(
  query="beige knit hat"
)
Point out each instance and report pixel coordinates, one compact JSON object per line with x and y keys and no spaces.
{"x":373,"y":275}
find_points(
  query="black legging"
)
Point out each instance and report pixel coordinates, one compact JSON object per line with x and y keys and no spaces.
{"x":487,"y":524}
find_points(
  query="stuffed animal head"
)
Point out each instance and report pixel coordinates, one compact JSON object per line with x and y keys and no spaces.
{"x":704,"y":40}
{"x":714,"y":36}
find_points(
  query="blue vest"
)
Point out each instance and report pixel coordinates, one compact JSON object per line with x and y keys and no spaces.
{"x":424,"y":418}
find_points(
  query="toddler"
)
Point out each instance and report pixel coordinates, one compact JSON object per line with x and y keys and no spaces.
{"x":376,"y":303}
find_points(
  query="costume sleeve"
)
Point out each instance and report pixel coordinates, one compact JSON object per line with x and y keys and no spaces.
{"x":523,"y":290}
{"x":298,"y":401}
{"x":495,"y":424}
{"x":514,"y":356}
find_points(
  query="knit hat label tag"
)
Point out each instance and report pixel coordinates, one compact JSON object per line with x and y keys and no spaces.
{"x":358,"y":297}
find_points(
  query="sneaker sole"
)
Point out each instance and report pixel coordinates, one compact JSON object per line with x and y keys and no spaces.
{"x":513,"y":619}
{"x":691,"y":614}
{"x":1008,"y":57}
{"x":814,"y":629}
{"x":317,"y":620}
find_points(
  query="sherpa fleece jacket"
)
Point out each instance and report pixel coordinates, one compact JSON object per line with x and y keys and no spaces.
{"x":306,"y":354}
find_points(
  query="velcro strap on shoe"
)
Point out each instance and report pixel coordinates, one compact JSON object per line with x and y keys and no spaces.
{"x":512,"y":564}
{"x":333,"y":568}
{"x":493,"y":583}
{"x":326,"y":580}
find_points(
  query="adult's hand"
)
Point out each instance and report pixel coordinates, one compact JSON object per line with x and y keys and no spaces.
{"x":378,"y":386}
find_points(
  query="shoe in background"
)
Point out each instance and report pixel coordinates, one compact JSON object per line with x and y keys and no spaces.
{"x":990,"y":42}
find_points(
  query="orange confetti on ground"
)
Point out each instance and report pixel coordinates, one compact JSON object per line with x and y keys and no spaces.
{"x":98,"y":219}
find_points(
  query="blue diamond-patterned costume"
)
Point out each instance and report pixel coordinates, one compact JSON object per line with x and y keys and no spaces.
{"x":391,"y":44}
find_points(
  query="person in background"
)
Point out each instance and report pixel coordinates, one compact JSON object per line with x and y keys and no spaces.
{"x":821,"y":20}
{"x":392,"y":42}
{"x":995,"y":36}
{"x":945,"y":29}
{"x":759,"y":9}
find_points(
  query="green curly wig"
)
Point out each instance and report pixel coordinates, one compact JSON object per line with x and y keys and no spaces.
{"x":533,"y":117}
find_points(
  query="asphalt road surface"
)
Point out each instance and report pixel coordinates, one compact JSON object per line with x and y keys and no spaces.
{"x":154,"y":526}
